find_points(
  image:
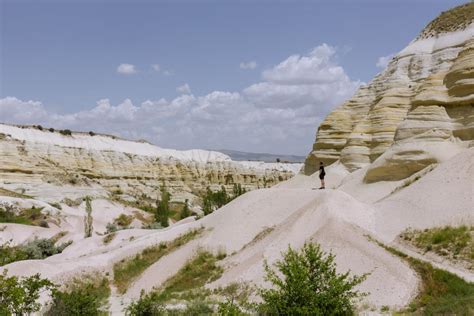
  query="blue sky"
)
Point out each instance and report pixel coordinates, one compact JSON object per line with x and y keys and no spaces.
{"x":64,"y":56}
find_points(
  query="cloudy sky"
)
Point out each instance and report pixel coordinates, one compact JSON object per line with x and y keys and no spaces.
{"x":247,"y":75}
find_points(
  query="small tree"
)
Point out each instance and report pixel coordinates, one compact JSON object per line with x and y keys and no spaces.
{"x":19,"y":296}
{"x":185,"y":212}
{"x":163,"y":208}
{"x":307,"y":283}
{"x":88,"y":220}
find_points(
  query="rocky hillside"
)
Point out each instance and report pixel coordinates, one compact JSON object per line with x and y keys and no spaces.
{"x":57,"y":165}
{"x":417,"y":112}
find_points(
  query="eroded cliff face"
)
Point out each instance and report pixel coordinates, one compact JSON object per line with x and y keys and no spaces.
{"x":38,"y":163}
{"x":418,"y":111}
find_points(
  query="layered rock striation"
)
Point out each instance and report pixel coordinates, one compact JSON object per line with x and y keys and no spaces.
{"x":418,"y":111}
{"x":35,"y":160}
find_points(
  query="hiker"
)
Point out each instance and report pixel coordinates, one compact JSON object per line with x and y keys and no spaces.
{"x":322,"y":173}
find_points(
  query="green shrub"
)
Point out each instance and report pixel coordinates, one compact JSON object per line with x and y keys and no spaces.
{"x":65,"y":132}
{"x":123,"y":220}
{"x":81,"y":297}
{"x":19,"y":296}
{"x":306,"y":283}
{"x":185,"y":212}
{"x":51,"y":130}
{"x":35,"y":249}
{"x":147,"y":305}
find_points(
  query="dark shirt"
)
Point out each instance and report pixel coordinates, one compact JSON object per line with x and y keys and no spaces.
{"x":322,"y":173}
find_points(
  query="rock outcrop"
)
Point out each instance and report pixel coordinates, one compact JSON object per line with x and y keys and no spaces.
{"x":418,"y":111}
{"x":36,"y":161}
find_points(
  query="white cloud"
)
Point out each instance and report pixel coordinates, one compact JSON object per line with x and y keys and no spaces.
{"x":184,"y":89}
{"x":279,"y":114}
{"x":168,"y":72}
{"x":248,"y":65}
{"x":21,"y":112}
{"x":156,"y":67}
{"x":126,"y":69}
{"x":317,"y":67}
{"x":383,"y":61}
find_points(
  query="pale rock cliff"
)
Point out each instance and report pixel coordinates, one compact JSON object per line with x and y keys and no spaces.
{"x":36,"y":162}
{"x":418,"y":111}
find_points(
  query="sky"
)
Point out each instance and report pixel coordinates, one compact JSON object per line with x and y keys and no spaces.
{"x":254,"y":76}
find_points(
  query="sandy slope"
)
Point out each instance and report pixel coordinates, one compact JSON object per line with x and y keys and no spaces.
{"x":291,"y":213}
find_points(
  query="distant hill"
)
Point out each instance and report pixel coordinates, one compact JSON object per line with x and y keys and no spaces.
{"x":244,"y":156}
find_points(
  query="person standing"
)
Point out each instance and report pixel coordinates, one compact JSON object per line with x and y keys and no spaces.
{"x":322,"y":174}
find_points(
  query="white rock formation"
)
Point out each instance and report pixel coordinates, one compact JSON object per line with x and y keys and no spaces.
{"x":418,"y":108}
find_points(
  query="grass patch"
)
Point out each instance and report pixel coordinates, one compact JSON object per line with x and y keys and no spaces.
{"x":261,"y":235}
{"x":455,"y":243}
{"x":197,"y":272}
{"x":127,"y":270}
{"x":187,"y":285}
{"x":29,"y":216}
{"x":442,"y":292}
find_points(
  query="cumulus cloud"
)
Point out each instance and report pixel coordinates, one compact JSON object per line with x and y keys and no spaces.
{"x":21,"y":112}
{"x":126,"y":69}
{"x":248,"y":65}
{"x":279,"y":114}
{"x":383,"y":61}
{"x":156,"y":67}
{"x":184,"y":89}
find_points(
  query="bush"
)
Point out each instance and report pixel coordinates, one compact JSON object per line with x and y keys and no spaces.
{"x":51,"y":130}
{"x":91,"y":133}
{"x":19,"y":296}
{"x":306,"y":283}
{"x":123,"y":220}
{"x":80,"y":298}
{"x":185,"y":212}
{"x":65,"y":132}
{"x":146,"y":305}
{"x":35,"y":249}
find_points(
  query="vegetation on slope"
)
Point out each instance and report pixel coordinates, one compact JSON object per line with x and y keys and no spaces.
{"x":197,"y":272}
{"x":127,"y":270}
{"x":454,"y":243}
{"x":442,"y":293}
{"x":20,"y":296}
{"x":85,"y":296}
{"x":449,"y":21}
{"x":29,"y":216}
{"x":304,"y":282}
{"x":35,"y":249}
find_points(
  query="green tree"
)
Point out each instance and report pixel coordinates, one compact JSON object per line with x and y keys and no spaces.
{"x":185,"y":212}
{"x":163,"y":208}
{"x":19,"y":296}
{"x":306,"y":283}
